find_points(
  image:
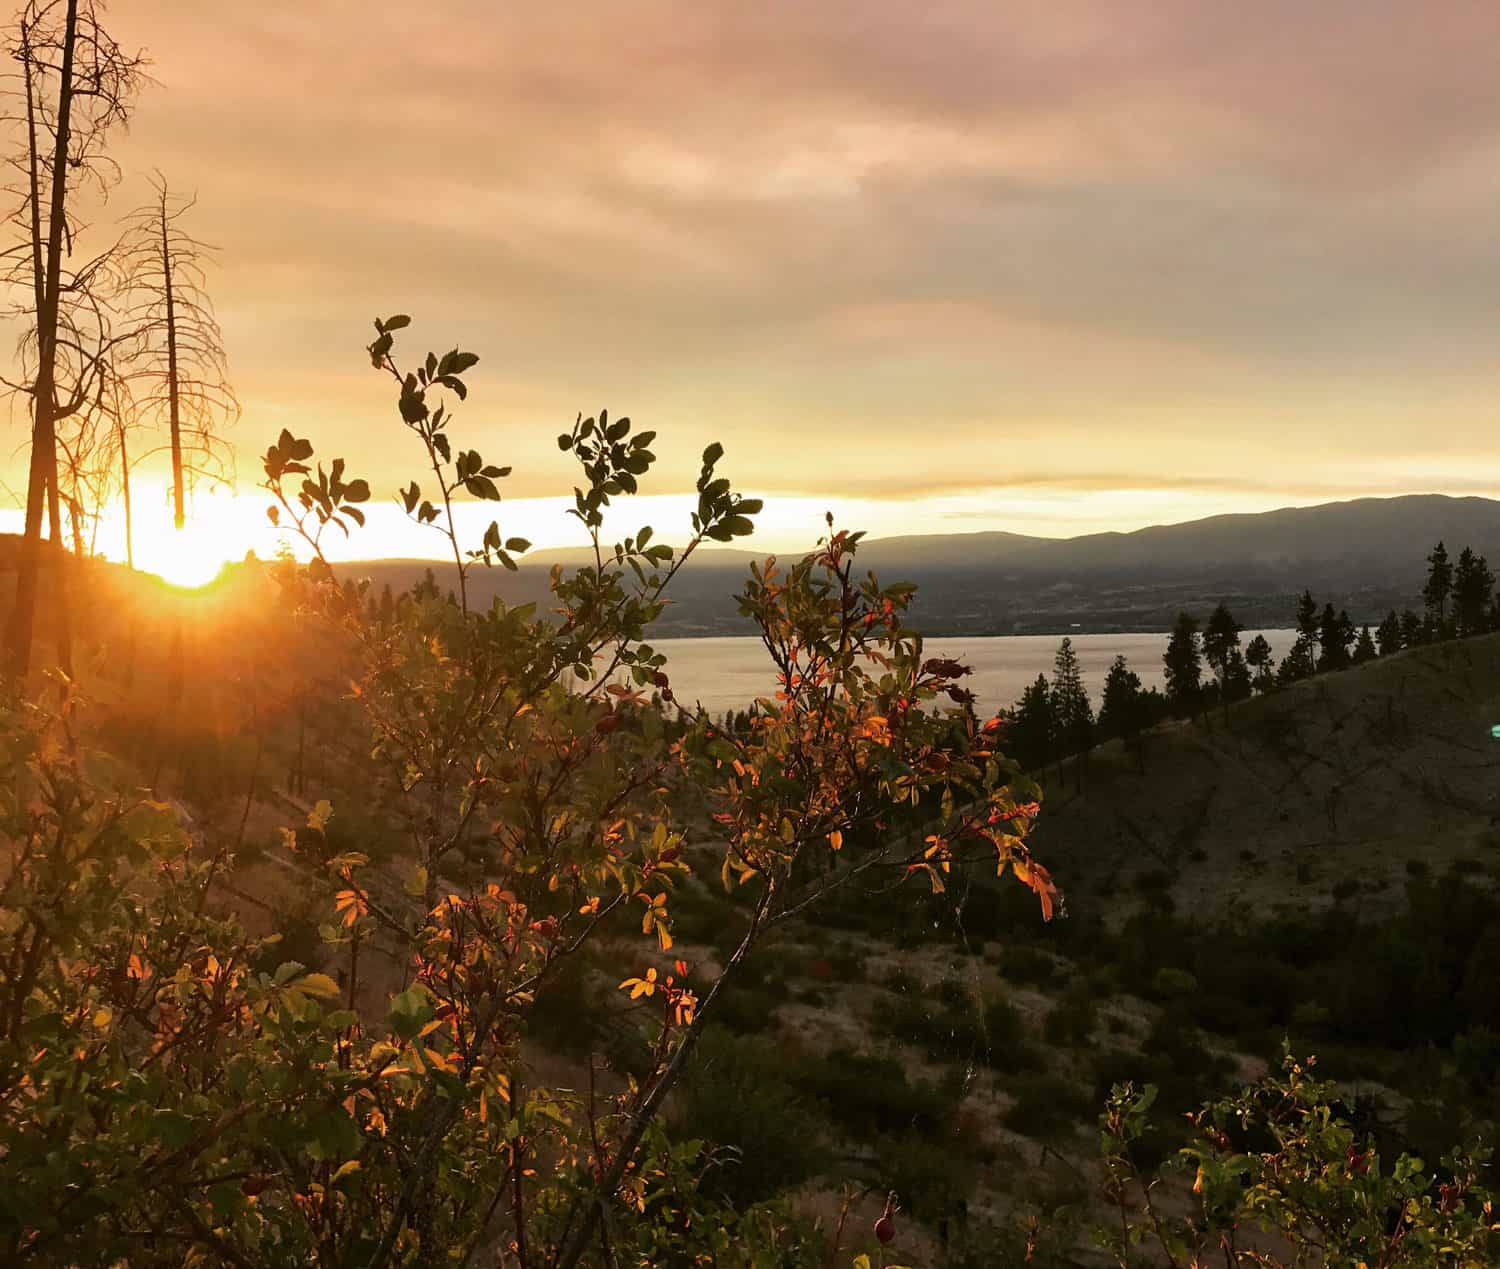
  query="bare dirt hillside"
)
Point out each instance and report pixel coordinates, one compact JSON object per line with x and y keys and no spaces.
{"x":1337,"y":781}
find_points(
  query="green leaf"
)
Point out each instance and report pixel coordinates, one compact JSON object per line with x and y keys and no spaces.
{"x":318,"y":985}
{"x":398,"y":322}
{"x":287,"y":971}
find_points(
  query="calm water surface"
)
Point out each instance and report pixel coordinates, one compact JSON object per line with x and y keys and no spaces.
{"x":729,"y":672}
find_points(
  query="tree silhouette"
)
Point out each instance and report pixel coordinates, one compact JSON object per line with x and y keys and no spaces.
{"x":1259,"y":657}
{"x":1072,"y":713}
{"x":1236,"y":684}
{"x":75,"y":88}
{"x":1364,"y":649}
{"x":1301,"y":659}
{"x":1030,"y":734}
{"x":1336,"y":634}
{"x":178,"y":372}
{"x":1307,"y":617}
{"x":1438,"y":587}
{"x":1473,"y":588}
{"x":1413,"y":629}
{"x":1221,"y":646}
{"x":1124,"y":707}
{"x":1183,"y":664}
{"x":1388,"y":634}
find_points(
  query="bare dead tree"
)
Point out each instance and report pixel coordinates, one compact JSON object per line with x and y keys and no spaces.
{"x":73,"y":86}
{"x":179,"y":373}
{"x":94,"y":455}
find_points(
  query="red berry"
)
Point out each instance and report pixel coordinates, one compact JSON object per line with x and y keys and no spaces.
{"x":885,"y":1230}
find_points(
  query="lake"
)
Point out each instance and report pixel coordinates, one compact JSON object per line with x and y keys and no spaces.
{"x":729,"y":672}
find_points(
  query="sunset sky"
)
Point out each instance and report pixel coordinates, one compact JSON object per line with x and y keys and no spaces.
{"x":1049,"y":267}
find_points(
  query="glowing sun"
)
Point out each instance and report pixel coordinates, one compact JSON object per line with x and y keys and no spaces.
{"x":220,"y":528}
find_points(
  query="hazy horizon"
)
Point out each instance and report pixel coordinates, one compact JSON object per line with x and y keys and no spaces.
{"x":1051,"y":270}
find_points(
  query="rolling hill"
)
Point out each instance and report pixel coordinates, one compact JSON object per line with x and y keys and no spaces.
{"x":1367,"y":555}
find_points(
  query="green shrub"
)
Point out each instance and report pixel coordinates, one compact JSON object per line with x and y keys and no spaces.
{"x":1028,"y":965}
{"x":932,"y":1180}
{"x":1047,"y":1107}
{"x":1072,"y":1020}
{"x":866,"y":1095}
{"x":1173,"y":984}
{"x":740,"y":1093}
{"x":1006,"y":1042}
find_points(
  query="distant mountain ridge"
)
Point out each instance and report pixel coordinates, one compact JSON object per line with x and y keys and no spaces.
{"x":1368,"y":555}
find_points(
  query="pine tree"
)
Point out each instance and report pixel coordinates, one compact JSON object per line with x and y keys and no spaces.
{"x":1364,"y":650}
{"x":1072,"y":713}
{"x":1335,"y":634}
{"x":1388,"y":634}
{"x":1302,"y":659}
{"x":1236,"y":684}
{"x":1183,"y":664}
{"x":1259,"y":658}
{"x":1221,"y":636}
{"x":1435,"y":593}
{"x":1122,"y":712}
{"x":387,"y":609}
{"x":1307,"y":617}
{"x":1221,"y":646}
{"x":1473,"y":587}
{"x":1029,"y":737}
{"x":1413,"y":629}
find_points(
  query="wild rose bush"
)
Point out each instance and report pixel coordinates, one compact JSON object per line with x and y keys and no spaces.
{"x":167,"y":1102}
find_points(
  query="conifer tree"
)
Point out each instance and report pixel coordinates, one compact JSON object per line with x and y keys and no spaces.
{"x":1307,"y":617}
{"x":1335,"y":635}
{"x":1123,"y":708}
{"x":1236,"y":684}
{"x":1072,"y":712}
{"x":1259,"y":658}
{"x":1473,"y":588}
{"x":1183,"y":664}
{"x":1437,"y":589}
{"x":1221,"y":636}
{"x":1388,"y":634}
{"x":1221,"y":648}
{"x":1029,"y":736}
{"x":1302,"y":659}
{"x":1413,"y":629}
{"x":1364,"y":650}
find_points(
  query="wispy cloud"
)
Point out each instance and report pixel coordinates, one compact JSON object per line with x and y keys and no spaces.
{"x":882,"y":251}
